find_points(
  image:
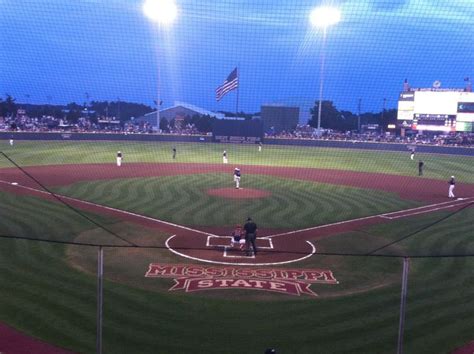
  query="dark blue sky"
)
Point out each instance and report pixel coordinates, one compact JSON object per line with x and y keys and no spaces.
{"x":109,"y":49}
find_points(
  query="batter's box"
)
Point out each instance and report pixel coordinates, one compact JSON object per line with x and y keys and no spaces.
{"x":225,"y":241}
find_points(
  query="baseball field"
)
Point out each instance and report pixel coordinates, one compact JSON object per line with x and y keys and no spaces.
{"x":334,"y":228}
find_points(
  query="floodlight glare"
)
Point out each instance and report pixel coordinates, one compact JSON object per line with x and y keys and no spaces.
{"x":325,"y":16}
{"x":160,"y":11}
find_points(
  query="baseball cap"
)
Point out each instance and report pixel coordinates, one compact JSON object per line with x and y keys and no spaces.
{"x":452,"y":176}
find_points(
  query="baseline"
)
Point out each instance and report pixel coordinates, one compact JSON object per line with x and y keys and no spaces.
{"x":383,"y":216}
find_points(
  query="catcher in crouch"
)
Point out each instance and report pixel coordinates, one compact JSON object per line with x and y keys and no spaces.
{"x":237,"y":237}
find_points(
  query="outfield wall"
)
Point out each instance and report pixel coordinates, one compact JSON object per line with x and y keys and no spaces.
{"x":103,"y":136}
{"x":432,"y":149}
{"x":349,"y":144}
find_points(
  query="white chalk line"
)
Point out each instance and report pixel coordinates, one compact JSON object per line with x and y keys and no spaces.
{"x":313,"y":251}
{"x":384,"y":215}
{"x":111,"y":209}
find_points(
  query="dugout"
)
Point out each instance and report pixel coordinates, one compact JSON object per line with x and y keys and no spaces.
{"x":237,"y":131}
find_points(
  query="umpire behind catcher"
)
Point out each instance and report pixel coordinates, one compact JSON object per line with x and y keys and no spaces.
{"x":250,"y":229}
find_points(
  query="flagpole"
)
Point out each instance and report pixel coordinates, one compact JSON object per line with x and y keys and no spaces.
{"x":237,"y":97}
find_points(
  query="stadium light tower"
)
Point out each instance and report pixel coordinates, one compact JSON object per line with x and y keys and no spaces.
{"x":163,"y":13}
{"x":323,"y":17}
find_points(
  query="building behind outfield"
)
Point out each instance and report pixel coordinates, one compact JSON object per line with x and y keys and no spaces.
{"x":279,"y":118}
{"x":436,"y":109}
{"x":177,"y":112}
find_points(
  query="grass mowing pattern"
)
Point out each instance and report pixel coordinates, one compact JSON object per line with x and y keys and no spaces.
{"x":29,"y":153}
{"x":440,"y":314}
{"x":183,"y":200}
{"x":41,"y":294}
{"x":32,"y":217}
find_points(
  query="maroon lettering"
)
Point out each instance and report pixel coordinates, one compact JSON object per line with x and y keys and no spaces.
{"x":241,"y":283}
{"x":264,"y":273}
{"x":205,"y":283}
{"x":243,"y":273}
{"x":289,"y":281}
{"x":157,"y":270}
{"x":293,"y":274}
{"x":216,"y":272}
{"x":195,"y":271}
{"x":257,"y":283}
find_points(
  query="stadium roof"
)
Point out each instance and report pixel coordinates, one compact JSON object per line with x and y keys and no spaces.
{"x":191,"y":107}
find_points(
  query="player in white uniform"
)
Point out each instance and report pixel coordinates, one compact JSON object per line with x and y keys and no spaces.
{"x":119,"y":158}
{"x":224,"y":157}
{"x":11,"y":142}
{"x":452,"y":184}
{"x":237,"y":177}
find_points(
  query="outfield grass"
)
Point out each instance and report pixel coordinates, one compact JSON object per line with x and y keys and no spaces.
{"x":48,"y":290}
{"x":27,"y":153}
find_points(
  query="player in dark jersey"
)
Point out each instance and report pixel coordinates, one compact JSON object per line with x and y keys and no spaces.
{"x":250,"y":229}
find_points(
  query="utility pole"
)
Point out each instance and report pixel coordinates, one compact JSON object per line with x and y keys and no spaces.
{"x":382,"y":116}
{"x":87,"y":105}
{"x":358,"y":115}
{"x":118,"y":108}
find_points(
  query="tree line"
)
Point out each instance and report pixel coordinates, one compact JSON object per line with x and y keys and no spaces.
{"x":331,"y":117}
{"x":120,"y":110}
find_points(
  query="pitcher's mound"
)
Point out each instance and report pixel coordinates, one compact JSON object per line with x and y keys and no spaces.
{"x":242,"y":193}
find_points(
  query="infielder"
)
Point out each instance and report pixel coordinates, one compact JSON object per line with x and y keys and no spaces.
{"x":452,"y":184}
{"x":237,"y":177}
{"x":224,"y":157}
{"x":119,"y":158}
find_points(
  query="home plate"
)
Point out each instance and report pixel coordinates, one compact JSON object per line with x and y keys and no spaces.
{"x":15,"y":183}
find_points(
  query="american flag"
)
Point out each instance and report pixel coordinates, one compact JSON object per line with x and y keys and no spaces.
{"x":231,"y":83}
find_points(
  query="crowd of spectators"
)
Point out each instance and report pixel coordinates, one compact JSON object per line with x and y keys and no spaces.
{"x":110,"y":125}
{"x":22,"y":123}
{"x":308,"y":132}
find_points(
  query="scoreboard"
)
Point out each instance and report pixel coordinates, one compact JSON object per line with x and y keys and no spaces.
{"x":441,"y":110}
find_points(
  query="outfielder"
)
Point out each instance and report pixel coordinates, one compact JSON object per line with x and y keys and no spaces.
{"x":119,"y":158}
{"x":237,"y":177}
{"x":224,"y":157}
